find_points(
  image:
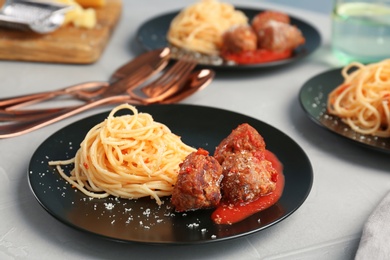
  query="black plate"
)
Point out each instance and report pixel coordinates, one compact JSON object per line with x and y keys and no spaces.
{"x":313,"y":98}
{"x":142,"y":220}
{"x":152,"y":35}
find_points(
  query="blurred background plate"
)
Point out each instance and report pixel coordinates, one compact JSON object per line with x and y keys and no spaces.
{"x":313,"y":98}
{"x":152,"y":35}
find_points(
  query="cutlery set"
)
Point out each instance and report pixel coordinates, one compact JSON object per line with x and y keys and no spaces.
{"x":142,"y":81}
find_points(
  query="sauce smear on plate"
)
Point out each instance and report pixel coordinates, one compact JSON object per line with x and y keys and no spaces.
{"x":229,"y":214}
{"x":257,"y":56}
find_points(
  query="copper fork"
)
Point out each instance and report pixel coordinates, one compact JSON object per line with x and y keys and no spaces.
{"x":154,"y":61}
{"x":176,"y":82}
{"x":167,"y":84}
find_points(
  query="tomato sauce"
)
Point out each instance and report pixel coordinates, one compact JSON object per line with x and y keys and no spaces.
{"x":257,"y":56}
{"x":229,"y":214}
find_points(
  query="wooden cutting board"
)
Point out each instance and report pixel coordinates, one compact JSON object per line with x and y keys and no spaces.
{"x":65,"y":45}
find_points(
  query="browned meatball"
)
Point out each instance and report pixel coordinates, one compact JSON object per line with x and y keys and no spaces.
{"x":260,"y":21}
{"x":246,"y":178}
{"x":279,"y":36}
{"x":238,"y":39}
{"x":275,"y":33}
{"x":198,"y":183}
{"x":243,"y":138}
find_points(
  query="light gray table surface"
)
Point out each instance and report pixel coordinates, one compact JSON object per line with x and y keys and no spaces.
{"x":349,"y":180}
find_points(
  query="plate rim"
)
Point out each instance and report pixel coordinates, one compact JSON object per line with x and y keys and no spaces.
{"x":102,"y":114}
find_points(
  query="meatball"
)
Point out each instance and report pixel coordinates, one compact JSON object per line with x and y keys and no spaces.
{"x":243,"y":138}
{"x":260,"y":21}
{"x":198,"y":183}
{"x":278,"y":36}
{"x":274,"y":31}
{"x":239,"y":39}
{"x":246,"y":178}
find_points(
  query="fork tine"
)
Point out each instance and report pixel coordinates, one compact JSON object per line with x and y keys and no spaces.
{"x":172,"y":82}
{"x":179,"y":76}
{"x":180,"y":69}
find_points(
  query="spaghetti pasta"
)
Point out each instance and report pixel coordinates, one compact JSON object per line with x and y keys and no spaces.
{"x":129,"y":156}
{"x":363,"y":100}
{"x":200,"y":26}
